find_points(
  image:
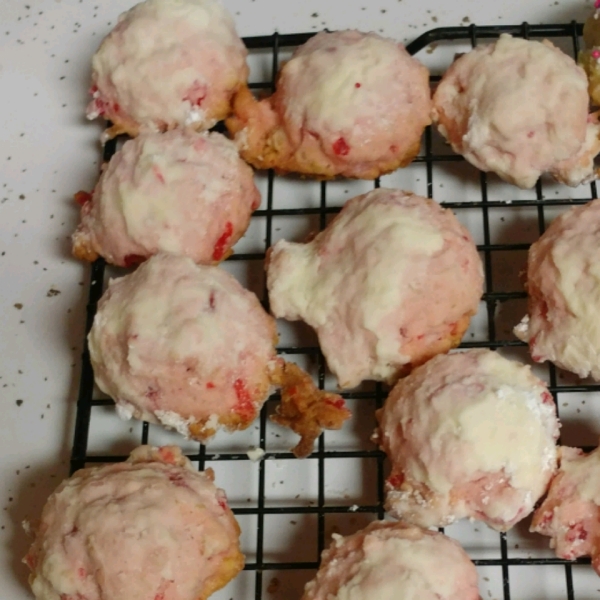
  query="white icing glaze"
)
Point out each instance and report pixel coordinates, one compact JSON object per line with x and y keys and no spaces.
{"x":255,"y":454}
{"x":469,"y":435}
{"x":360,"y":283}
{"x":391,"y":560}
{"x":517,"y":108}
{"x":154,"y":514}
{"x":125,"y":410}
{"x":182,"y":192}
{"x":168,"y":63}
{"x":195,"y":116}
{"x":213,"y":422}
{"x":564,"y":293}
{"x":172,"y":420}
{"x":170,"y":340}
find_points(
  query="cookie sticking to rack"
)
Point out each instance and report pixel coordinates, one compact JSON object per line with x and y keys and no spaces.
{"x":182,"y":192}
{"x":519,"y":108}
{"x":392,"y":281}
{"x":394,"y":560}
{"x":469,"y":434}
{"x":347,"y":103}
{"x":186,"y":346}
{"x":167,"y":64}
{"x":563,"y":284}
{"x":148,"y":528}
{"x":570,"y":514}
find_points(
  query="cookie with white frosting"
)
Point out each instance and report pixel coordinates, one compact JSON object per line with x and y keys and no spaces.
{"x":570,"y":514}
{"x":393,"y":560}
{"x":167,"y":64}
{"x":347,"y":103}
{"x":392,"y":281}
{"x":563,"y":285}
{"x":187,"y":346}
{"x":519,"y":108}
{"x":182,"y":192}
{"x":148,"y":528}
{"x":469,"y":434}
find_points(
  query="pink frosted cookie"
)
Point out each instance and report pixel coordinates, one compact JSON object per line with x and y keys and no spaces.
{"x":519,"y":108}
{"x":182,"y":192}
{"x":393,"y":560}
{"x":392,"y":281}
{"x":167,"y":64}
{"x":570,"y":514}
{"x":187,"y":346}
{"x":469,"y":434}
{"x":150,"y":528}
{"x":563,"y":283}
{"x":347,"y":103}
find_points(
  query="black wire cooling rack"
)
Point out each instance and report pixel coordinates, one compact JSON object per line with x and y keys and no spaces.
{"x":493,"y":297}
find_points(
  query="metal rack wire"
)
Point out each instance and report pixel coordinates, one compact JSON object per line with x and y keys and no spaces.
{"x":492,"y":297}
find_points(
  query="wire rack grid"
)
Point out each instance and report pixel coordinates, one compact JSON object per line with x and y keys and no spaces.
{"x":500,"y":560}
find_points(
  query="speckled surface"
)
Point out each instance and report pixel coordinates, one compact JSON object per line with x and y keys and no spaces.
{"x":49,"y":151}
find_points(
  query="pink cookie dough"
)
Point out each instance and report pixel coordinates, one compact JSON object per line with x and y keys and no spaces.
{"x":149,"y":528}
{"x":182,"y":192}
{"x":347,"y":103}
{"x":519,"y":108}
{"x":469,"y":434}
{"x":392,"y":281}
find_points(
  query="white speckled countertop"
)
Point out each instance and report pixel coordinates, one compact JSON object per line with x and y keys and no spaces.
{"x":49,"y":151}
